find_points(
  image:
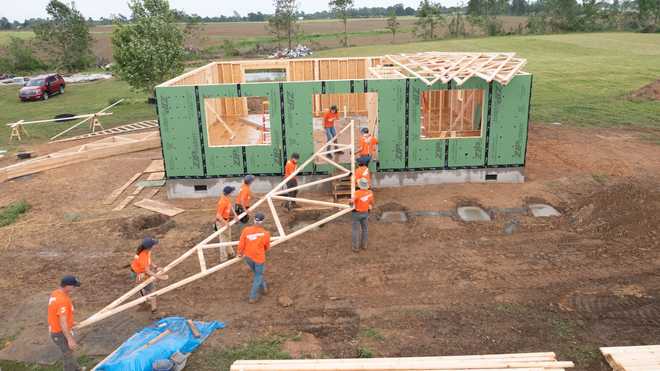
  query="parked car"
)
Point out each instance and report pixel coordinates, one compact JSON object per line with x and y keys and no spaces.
{"x":42,"y":87}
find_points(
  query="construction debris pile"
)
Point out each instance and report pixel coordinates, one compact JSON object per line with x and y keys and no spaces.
{"x":297,"y":52}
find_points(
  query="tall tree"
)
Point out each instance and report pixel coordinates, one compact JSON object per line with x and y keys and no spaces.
{"x":519,"y":7}
{"x":149,"y":49}
{"x":284,"y":23}
{"x":428,"y":18}
{"x":649,"y":14}
{"x":65,"y":35}
{"x":393,"y":24}
{"x":341,"y":8}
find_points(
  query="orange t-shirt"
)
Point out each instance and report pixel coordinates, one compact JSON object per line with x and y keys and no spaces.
{"x":362,"y":200}
{"x":254,"y":242}
{"x":141,"y":262}
{"x":362,"y":172}
{"x":224,"y":208}
{"x":290,"y":168}
{"x":329,"y":119}
{"x":367,"y":145}
{"x":59,"y":304}
{"x":244,"y":196}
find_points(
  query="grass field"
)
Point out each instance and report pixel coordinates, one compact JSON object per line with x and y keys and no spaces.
{"x":78,"y":99}
{"x":581,"y":79}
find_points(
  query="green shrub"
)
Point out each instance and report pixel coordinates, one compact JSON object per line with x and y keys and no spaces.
{"x":10,"y":213}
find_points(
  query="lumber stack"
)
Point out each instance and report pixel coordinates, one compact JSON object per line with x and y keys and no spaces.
{"x":107,"y":147}
{"x":638,"y":358}
{"x":490,"y":362}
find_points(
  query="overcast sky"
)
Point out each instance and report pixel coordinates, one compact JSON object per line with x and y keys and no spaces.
{"x":19,"y":10}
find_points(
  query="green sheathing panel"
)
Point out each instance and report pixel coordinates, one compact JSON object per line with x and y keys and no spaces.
{"x":266,"y":159}
{"x":179,"y":130}
{"x":509,"y":120}
{"x":298,"y":118}
{"x":220,"y":161}
{"x":339,"y":87}
{"x":391,"y":122}
{"x":470,"y":151}
{"x":422,"y":153}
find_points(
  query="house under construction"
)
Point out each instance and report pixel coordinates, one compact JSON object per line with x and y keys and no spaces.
{"x":439,"y":117}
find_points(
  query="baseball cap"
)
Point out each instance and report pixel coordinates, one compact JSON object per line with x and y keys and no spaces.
{"x":363,"y":183}
{"x":259,"y":217}
{"x":228,"y":190}
{"x":149,"y":242}
{"x":69,"y":281}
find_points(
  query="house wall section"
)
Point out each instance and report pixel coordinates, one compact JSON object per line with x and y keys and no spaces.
{"x":187,"y":154}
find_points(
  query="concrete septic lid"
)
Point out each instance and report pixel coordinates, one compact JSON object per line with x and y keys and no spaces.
{"x":473,"y":214}
{"x":393,"y":217}
{"x":543,"y":210}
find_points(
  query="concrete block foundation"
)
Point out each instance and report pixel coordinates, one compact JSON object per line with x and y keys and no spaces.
{"x":203,"y":188}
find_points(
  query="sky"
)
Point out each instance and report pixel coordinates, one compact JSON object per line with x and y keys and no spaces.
{"x":20,"y":10}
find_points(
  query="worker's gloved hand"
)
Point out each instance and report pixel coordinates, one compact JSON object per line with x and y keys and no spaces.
{"x":72,"y":344}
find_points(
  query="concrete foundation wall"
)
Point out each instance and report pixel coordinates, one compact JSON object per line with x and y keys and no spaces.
{"x":203,"y":188}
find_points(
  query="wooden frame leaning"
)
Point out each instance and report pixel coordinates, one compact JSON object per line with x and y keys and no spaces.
{"x":277,"y":193}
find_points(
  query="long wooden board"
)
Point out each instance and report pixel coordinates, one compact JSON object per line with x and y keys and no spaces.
{"x":113,"y":196}
{"x":159,"y":207}
{"x":123,"y":129}
{"x":633,"y":358}
{"x":103,"y":148}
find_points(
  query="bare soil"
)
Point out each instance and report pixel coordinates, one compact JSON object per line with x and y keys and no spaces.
{"x":647,"y":92}
{"x":431,"y":286}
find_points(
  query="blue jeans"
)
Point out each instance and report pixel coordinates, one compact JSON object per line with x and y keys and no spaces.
{"x":366,"y":159}
{"x":258,"y":282}
{"x":330,"y":133}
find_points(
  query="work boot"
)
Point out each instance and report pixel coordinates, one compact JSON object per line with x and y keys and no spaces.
{"x":252,"y":301}
{"x":363,"y":247}
{"x":356,"y":250}
{"x":264,"y":290}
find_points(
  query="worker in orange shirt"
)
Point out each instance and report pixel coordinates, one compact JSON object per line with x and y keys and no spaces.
{"x":223,"y":216}
{"x":367,"y":145}
{"x":60,"y":321}
{"x":289,"y":169}
{"x":254,"y":242}
{"x":142,"y":268}
{"x":243,"y":200}
{"x":363,"y":202}
{"x":329,"y":120}
{"x":362,"y":171}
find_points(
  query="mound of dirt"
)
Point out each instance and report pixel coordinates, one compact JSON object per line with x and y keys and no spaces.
{"x":155,"y":225}
{"x":628,"y":209}
{"x":647,"y":92}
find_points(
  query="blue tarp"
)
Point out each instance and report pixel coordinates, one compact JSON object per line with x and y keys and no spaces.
{"x":133,"y":356}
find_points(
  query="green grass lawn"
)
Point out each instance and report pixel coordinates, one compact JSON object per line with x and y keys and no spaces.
{"x":579,"y":79}
{"x":78,"y":99}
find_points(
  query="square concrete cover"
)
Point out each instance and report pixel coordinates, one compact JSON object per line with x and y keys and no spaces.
{"x":394,"y":217}
{"x":543,"y":210}
{"x":473,"y":214}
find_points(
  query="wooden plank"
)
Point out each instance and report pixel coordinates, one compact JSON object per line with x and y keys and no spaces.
{"x":155,"y":166}
{"x":159,"y":207}
{"x":124,"y":203}
{"x":104,"y":148}
{"x":113,"y":196}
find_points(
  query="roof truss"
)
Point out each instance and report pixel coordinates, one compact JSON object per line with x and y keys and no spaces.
{"x":431,"y":67}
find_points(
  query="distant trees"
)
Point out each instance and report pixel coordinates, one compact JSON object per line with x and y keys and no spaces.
{"x":65,"y":35}
{"x":149,"y":49}
{"x":649,"y":14}
{"x":284,"y":23}
{"x":428,"y":20}
{"x":19,"y":58}
{"x":393,"y":24}
{"x":341,"y":9}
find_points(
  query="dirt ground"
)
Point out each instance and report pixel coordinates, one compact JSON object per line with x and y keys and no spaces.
{"x":431,"y":286}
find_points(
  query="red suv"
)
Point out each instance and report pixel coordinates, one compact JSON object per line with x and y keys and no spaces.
{"x":42,"y":87}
